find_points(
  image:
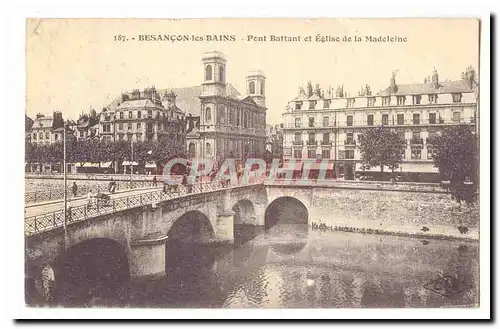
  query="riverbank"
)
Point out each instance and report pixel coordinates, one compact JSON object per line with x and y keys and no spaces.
{"x":442,"y":232}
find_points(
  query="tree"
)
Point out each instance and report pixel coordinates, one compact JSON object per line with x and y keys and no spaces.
{"x":381,"y":147}
{"x":457,"y":158}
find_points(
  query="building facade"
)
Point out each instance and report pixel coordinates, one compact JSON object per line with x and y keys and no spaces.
{"x":47,"y":130}
{"x":327,"y":125}
{"x":142,"y":116}
{"x":222,"y":122}
{"x":274,"y":140}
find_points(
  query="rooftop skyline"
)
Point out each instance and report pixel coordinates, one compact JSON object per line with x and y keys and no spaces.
{"x":73,"y":65}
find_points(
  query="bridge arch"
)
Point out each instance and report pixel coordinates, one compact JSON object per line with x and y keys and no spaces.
{"x":191,"y":227}
{"x":94,"y":268}
{"x":286,"y":210}
{"x":244,"y":212}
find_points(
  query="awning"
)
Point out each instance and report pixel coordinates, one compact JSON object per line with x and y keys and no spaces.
{"x":127,"y":163}
{"x":150,"y":165}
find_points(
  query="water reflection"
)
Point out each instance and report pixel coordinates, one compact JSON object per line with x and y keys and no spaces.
{"x":293,"y":266}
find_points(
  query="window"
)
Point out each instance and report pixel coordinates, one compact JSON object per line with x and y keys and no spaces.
{"x":432,"y":118}
{"x":129,"y":126}
{"x":369,"y":119}
{"x":326,"y":138}
{"x":341,"y":156}
{"x":262,"y":90}
{"x":311,"y":154}
{"x":34,"y":136}
{"x":430,"y":153}
{"x":416,"y":118}
{"x":120,"y":126}
{"x":349,"y":120}
{"x":130,"y":114}
{"x":222,"y":115}
{"x":298,"y":122}
{"x":349,"y":138}
{"x":208,"y":72}
{"x":208,"y":114}
{"x":433,"y":98}
{"x":149,"y":128}
{"x":297,"y":153}
{"x":138,"y":126}
{"x":401,"y":135}
{"x":120,"y":137}
{"x":139,"y":114}
{"x":349,"y":154}
{"x":350,"y":102}
{"x":312,"y":138}
{"x":457,"y":97}
{"x":311,"y":121}
{"x":121,"y":115}
{"x":326,"y":121}
{"x":312,"y":105}
{"x":401,"y":119}
{"x":47,"y":135}
{"x":82,"y":134}
{"x":56,"y":136}
{"x":208,"y":149}
{"x":401,"y":100}
{"x":416,"y":154}
{"x":386,"y":101}
{"x":385,"y":119}
{"x":221,"y":74}
{"x":371,"y":101}
{"x":238,"y":117}
{"x":326,"y":103}
{"x":325,"y":154}
{"x":456,"y":117}
{"x":231,"y":116}
{"x":416,"y":135}
{"x":298,"y":138}
{"x":41,"y":135}
{"x":106,"y":128}
{"x":417,"y":99}
{"x":251,"y":87}
{"x":298,"y":105}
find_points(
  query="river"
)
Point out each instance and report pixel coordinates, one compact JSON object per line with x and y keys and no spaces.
{"x":294,"y":266}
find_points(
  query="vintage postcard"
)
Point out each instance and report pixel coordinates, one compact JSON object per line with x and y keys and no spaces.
{"x":252,"y":163}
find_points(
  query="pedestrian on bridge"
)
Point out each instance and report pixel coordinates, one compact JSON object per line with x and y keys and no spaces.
{"x":74,"y":189}
{"x":154,"y":181}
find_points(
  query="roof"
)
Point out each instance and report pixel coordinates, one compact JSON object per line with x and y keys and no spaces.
{"x":315,"y":97}
{"x":43,"y":122}
{"x":137,"y":103}
{"x":428,"y":88}
{"x":187,"y":99}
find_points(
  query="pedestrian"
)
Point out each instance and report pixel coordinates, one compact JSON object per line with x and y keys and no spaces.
{"x":164,"y":187}
{"x":74,"y":188}
{"x":112,"y":186}
{"x":154,"y":180}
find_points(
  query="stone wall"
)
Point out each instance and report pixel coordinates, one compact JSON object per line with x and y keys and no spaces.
{"x":403,"y":207}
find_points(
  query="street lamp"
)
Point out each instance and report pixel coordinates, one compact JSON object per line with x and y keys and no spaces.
{"x":65,"y":188}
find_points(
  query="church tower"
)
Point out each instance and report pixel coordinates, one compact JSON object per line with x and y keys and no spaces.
{"x":214,"y":74}
{"x":256,"y":87}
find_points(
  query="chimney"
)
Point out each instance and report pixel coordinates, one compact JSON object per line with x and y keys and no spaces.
{"x":394,"y":87}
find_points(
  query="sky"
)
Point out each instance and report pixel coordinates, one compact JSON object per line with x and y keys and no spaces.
{"x":75,"y":64}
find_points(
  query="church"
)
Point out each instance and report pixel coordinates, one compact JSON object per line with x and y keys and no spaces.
{"x":221,"y":122}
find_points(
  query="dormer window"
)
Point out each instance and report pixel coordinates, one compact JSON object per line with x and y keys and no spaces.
{"x":386,"y":100}
{"x":350,"y":102}
{"x":298,"y":105}
{"x":417,"y":99}
{"x":326,"y":103}
{"x":371,"y":101}
{"x":312,"y":105}
{"x":457,"y":97}
{"x":401,"y":100}
{"x":433,"y":98}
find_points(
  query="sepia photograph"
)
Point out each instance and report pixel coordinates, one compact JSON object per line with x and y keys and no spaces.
{"x":252,"y":163}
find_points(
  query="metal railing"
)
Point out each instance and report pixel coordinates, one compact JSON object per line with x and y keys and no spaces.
{"x":46,"y":222}
{"x":57,"y":194}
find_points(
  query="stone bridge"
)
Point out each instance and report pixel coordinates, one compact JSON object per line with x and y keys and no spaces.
{"x":138,"y":237}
